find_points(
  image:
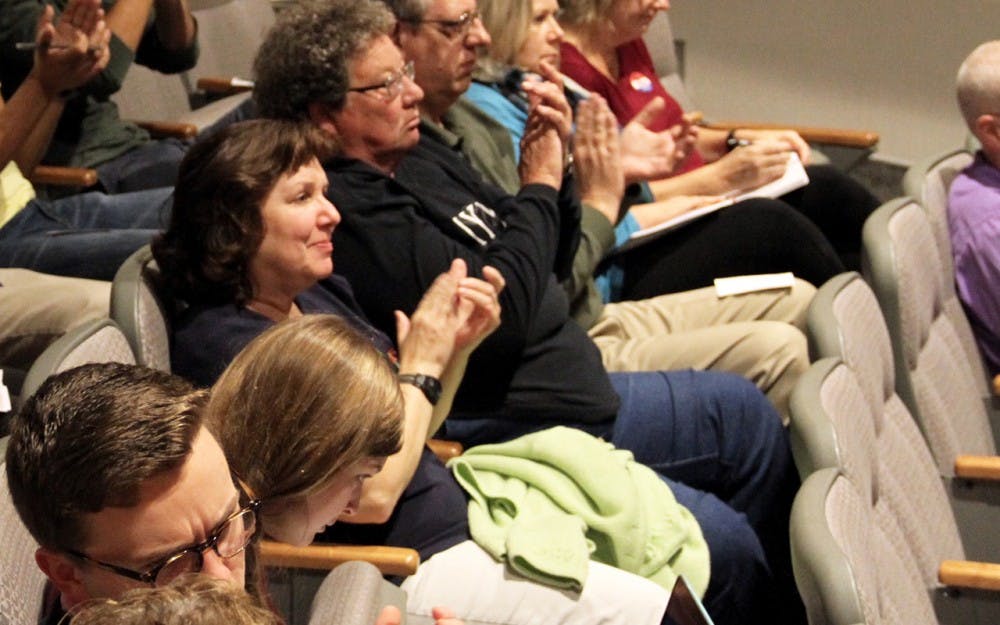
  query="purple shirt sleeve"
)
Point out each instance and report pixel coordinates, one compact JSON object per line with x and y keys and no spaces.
{"x":974,"y":223}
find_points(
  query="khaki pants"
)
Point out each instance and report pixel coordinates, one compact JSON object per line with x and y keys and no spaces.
{"x":756,"y":335}
{"x":36,"y":309}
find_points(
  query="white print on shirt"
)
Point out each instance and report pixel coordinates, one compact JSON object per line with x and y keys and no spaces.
{"x":479,"y":222}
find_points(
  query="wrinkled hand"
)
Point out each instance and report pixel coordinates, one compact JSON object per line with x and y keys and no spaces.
{"x":541,"y":151}
{"x":550,"y":93}
{"x":427,"y":338}
{"x":75,"y":49}
{"x":790,"y":138}
{"x":480,"y":301}
{"x":751,"y":166}
{"x":597,"y":157}
{"x":647,"y":154}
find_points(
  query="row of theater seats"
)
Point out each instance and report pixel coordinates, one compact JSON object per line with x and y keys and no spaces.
{"x":893,"y":431}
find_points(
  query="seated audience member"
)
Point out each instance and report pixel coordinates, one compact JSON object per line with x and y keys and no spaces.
{"x":38,"y":308}
{"x":763,"y":236}
{"x":411,"y":205}
{"x":755,"y":335}
{"x":337,"y":416}
{"x":86,"y":235}
{"x":974,"y":202}
{"x":114,"y":476}
{"x":160,"y":35}
{"x":187,"y":600}
{"x":249,"y":247}
{"x":604,"y":52}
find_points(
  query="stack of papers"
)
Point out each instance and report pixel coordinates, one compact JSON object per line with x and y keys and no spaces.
{"x":794,"y":178}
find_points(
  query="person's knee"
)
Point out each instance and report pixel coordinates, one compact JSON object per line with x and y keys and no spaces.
{"x":798,"y":299}
{"x":739,"y":569}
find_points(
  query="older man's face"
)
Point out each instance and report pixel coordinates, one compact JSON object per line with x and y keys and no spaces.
{"x":443,"y":50}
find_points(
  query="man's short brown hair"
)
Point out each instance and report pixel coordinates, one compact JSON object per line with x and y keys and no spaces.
{"x":89,"y":438}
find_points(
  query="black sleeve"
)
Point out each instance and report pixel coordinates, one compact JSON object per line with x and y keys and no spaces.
{"x":391,"y":249}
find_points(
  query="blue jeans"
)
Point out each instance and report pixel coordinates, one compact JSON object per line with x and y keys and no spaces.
{"x":719,"y":444}
{"x":153,"y":165}
{"x":87,"y":235}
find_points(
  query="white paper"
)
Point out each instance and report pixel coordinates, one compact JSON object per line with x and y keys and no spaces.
{"x":4,"y":396}
{"x":794,"y":177}
{"x":738,"y":285}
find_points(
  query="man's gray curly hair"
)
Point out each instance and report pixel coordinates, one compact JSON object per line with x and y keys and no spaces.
{"x":306,"y":56}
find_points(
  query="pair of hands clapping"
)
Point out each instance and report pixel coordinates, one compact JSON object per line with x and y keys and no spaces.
{"x":454,"y":316}
{"x":73,"y":49}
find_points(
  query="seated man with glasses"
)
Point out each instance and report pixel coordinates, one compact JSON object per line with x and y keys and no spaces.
{"x":115,"y":477}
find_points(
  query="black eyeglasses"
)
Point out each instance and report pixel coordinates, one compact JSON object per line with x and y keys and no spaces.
{"x":228,"y":540}
{"x":393,"y":84}
{"x":452,"y":29}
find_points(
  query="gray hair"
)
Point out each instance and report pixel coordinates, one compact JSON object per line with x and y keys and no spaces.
{"x":306,"y":56}
{"x":408,"y":10}
{"x":978,"y":83}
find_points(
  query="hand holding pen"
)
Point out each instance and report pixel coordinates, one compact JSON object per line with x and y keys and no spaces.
{"x":71,"y":51}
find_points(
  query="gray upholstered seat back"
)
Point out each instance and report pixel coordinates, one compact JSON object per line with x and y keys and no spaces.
{"x":137,"y":309}
{"x":928,"y":182}
{"x":21,"y":582}
{"x":99,"y":340}
{"x":871,"y":427}
{"x":934,"y":377}
{"x":846,"y":563}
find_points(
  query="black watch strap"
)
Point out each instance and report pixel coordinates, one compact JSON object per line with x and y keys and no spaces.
{"x":429,"y":385}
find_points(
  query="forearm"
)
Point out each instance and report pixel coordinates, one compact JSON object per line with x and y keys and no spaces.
{"x":31,"y":152}
{"x":127,"y":19}
{"x":382,"y":491}
{"x":27,"y":123}
{"x":450,"y":381}
{"x":704,"y":180}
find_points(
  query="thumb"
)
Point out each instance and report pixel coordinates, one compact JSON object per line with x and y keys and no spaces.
{"x":402,"y":327}
{"x":390,"y":615}
{"x":650,"y":112}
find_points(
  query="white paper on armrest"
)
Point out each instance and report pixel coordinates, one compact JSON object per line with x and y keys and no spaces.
{"x":738,"y":285}
{"x":794,"y":178}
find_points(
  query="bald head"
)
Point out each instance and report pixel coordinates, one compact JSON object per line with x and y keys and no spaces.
{"x":978,"y":83}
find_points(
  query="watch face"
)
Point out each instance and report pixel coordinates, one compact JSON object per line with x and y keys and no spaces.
{"x":430,"y":386}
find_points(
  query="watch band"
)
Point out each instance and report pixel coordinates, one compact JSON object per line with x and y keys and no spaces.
{"x":428,"y":385}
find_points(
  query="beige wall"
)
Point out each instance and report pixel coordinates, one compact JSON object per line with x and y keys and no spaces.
{"x":884,"y":65}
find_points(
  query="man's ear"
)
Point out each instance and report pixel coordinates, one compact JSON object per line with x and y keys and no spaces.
{"x":64,"y":574}
{"x":321,"y":116}
{"x":987,"y":130}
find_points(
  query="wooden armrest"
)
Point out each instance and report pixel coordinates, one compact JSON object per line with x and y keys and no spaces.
{"x":445,"y":450}
{"x":389,"y":560}
{"x":834,"y":136}
{"x":160,"y":129}
{"x":64,"y":176}
{"x":996,"y":385}
{"x":217,"y":85}
{"x":978,"y":467}
{"x":962,"y":574}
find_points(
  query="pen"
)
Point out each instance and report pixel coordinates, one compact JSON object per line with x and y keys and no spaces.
{"x":32,"y":45}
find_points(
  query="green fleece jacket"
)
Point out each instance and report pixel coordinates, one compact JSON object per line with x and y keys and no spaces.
{"x":550,"y":501}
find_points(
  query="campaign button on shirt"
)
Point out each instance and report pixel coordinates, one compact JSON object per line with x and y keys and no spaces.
{"x":640,"y":82}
